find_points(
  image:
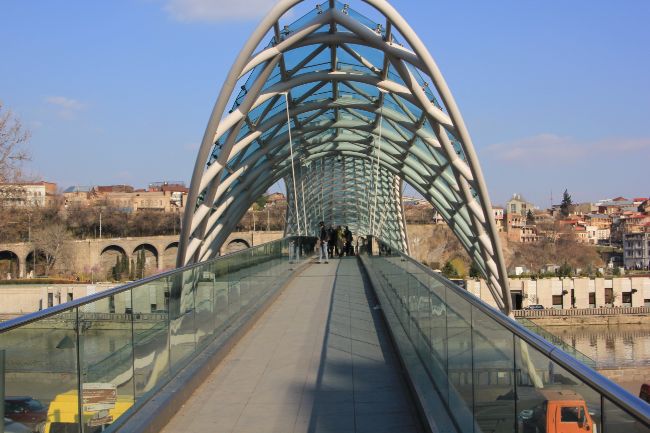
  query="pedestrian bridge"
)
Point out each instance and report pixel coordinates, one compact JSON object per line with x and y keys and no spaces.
{"x":346,"y":107}
{"x":269,"y":340}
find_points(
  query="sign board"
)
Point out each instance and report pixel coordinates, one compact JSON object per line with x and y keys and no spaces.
{"x":101,"y":418}
{"x":98,"y":396}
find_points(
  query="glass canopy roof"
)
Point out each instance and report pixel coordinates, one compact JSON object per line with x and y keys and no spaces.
{"x":345,"y":109}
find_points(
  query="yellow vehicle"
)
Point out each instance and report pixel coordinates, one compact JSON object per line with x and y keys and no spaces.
{"x":62,"y":414}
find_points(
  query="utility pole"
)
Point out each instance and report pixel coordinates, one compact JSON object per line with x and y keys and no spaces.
{"x":100,"y":224}
{"x":29,"y":239}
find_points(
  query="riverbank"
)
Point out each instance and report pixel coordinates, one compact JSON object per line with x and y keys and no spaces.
{"x":630,"y":378}
{"x":599,"y":320}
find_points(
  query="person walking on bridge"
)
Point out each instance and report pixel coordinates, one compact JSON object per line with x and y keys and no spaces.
{"x":348,"y":242}
{"x":323,"y":237}
{"x":331,"y":240}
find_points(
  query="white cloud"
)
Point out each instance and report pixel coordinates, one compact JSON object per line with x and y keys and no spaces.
{"x":66,"y":103}
{"x":68,"y":107}
{"x":563,"y":149}
{"x":218,"y":10}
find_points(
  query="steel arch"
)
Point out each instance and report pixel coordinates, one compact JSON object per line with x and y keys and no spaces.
{"x":368,"y":109}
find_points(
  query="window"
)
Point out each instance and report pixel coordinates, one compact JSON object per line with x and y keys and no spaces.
{"x":592,"y":300}
{"x":154,"y":307}
{"x":571,"y":414}
{"x":557,"y":301}
{"x":609,"y":296}
{"x":70,"y":297}
{"x":50,"y":300}
{"x":626,"y":298}
{"x":111,"y":304}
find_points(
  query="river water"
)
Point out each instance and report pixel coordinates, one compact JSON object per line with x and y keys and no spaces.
{"x":621,"y":352}
{"x":609,"y":346}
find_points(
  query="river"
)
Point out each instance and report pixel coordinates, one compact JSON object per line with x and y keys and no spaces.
{"x":621,"y":352}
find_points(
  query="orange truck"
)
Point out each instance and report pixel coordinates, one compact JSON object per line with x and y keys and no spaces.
{"x":558,"y":411}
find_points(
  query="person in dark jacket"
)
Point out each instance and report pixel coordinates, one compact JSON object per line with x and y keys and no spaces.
{"x":331,"y":240}
{"x":348,"y":242}
{"x":323,"y":235}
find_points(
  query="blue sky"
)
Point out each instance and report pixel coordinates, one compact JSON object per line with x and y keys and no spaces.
{"x":555,"y":94}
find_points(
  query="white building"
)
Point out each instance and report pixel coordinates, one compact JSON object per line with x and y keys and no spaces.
{"x":27,"y":194}
{"x":636,"y":250}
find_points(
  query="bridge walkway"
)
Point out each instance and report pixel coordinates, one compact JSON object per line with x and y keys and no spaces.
{"x":319,"y":360}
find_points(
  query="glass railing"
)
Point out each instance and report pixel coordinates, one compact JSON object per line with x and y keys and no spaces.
{"x":117,"y":348}
{"x":556,"y":341}
{"x":493,"y":374}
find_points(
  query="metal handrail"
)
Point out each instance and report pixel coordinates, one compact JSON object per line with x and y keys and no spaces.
{"x":57,"y":309}
{"x":603,"y":311}
{"x":612,"y":391}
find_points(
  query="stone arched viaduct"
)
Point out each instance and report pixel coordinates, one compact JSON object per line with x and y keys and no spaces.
{"x":160,"y":251}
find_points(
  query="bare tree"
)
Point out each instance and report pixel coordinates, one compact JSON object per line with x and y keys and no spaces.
{"x":13,"y":136}
{"x":52,"y":241}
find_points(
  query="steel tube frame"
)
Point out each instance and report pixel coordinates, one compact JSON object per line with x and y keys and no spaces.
{"x":432,"y":151}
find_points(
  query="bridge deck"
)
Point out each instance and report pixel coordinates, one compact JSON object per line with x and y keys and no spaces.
{"x":319,"y":360}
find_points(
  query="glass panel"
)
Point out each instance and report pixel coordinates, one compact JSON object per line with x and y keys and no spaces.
{"x":181,"y":317}
{"x":106,"y":359}
{"x":438,"y":336}
{"x":459,"y":362}
{"x":493,"y":363}
{"x":150,"y":336}
{"x":546,"y":393}
{"x":130,"y":342}
{"x":40,"y":372}
{"x":618,"y":420}
{"x":204,"y":300}
{"x":220,"y":270}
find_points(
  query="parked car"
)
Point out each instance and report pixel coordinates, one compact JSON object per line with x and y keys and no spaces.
{"x":25,"y":410}
{"x":12,"y":426}
{"x":535,"y":307}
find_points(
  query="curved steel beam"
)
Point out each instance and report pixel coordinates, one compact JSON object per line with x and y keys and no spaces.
{"x":397,"y":132}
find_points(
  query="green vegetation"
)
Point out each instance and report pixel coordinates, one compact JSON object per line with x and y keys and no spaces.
{"x":474,"y":271}
{"x":449,"y":270}
{"x":261,"y":202}
{"x":566,"y":205}
{"x":530,"y":217}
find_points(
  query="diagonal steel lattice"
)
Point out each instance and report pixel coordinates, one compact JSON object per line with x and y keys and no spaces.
{"x":368,"y":111}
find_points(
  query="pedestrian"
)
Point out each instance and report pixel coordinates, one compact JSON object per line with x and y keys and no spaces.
{"x":348,"y":242}
{"x":340,"y":241}
{"x":323,"y":236}
{"x":331,"y":240}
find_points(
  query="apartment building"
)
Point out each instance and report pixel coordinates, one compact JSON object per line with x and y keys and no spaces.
{"x":636,"y":250}
{"x":23,"y":194}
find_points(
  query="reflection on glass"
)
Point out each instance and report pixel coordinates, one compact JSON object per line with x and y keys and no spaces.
{"x":131,"y":341}
{"x":548,"y":394}
{"x":181,"y":317}
{"x":106,"y":359}
{"x":150,"y":336}
{"x":491,"y":379}
{"x":40,"y":371}
{"x":494,"y":388}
